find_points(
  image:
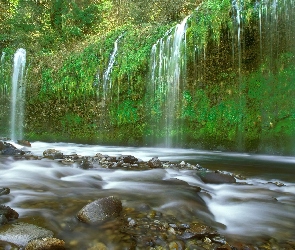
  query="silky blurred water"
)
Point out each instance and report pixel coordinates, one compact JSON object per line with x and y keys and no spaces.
{"x":52,"y":193}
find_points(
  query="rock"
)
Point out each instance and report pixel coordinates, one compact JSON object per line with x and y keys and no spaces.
{"x":53,"y":154}
{"x":2,"y":145}
{"x":98,"y":246}
{"x":4,"y":191}
{"x":67,"y":161}
{"x":21,"y":233}
{"x":226,"y":246}
{"x":219,"y":239}
{"x":46,"y":244}
{"x":86,"y":163}
{"x":24,"y":143}
{"x":7,"y":245}
{"x":198,"y":230}
{"x":176,"y":245}
{"x":3,"y":219}
{"x":128,"y":159}
{"x":155,"y":163}
{"x":216,"y":178}
{"x":8,"y":213}
{"x":8,"y":149}
{"x":100,"y":210}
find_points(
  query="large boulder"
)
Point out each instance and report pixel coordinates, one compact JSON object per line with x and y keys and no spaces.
{"x":100,"y":210}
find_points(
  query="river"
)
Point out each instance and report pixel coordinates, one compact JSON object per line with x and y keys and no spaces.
{"x":50,"y":194}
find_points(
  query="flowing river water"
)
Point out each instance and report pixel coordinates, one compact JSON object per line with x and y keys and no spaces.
{"x":49,"y":194}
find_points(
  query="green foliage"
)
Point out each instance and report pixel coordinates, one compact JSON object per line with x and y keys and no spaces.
{"x":226,"y":99}
{"x":125,"y":113}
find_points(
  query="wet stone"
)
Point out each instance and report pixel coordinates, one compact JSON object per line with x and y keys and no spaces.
{"x":128,"y":159}
{"x":98,"y":246}
{"x":21,"y":233}
{"x":3,"y":219}
{"x":8,"y":149}
{"x":7,"y":214}
{"x":155,"y":163}
{"x":85,"y":163}
{"x":100,"y":210}
{"x":8,"y":245}
{"x":226,"y":246}
{"x":4,"y":191}
{"x":216,"y":178}
{"x":46,"y":244}
{"x":198,"y":230}
{"x":24,"y":143}
{"x":177,"y":245}
{"x":53,"y":154}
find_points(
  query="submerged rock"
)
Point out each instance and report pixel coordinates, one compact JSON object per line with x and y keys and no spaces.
{"x":7,"y":214}
{"x":98,"y":246}
{"x":21,"y":233}
{"x":46,"y":244}
{"x":198,"y":230}
{"x":216,"y":178}
{"x":100,"y":210}
{"x":4,"y":191}
{"x":8,"y":245}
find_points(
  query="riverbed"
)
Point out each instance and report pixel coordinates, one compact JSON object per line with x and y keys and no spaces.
{"x":259,"y":206}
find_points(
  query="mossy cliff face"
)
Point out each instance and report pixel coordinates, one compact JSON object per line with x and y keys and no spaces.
{"x":237,"y":92}
{"x":241,"y":83}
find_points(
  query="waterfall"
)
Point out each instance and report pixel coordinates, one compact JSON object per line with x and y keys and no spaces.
{"x":2,"y":89}
{"x":2,"y":59}
{"x":18,"y":95}
{"x":167,"y":79}
{"x":107,"y":81}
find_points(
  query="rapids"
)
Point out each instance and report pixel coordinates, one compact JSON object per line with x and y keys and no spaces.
{"x":50,"y":194}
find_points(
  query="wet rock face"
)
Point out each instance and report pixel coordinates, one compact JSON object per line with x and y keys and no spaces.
{"x":217,"y":178}
{"x":7,"y":214}
{"x":21,"y":233}
{"x":100,"y":210}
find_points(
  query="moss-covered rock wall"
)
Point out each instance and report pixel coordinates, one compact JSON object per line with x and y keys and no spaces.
{"x":237,"y":94}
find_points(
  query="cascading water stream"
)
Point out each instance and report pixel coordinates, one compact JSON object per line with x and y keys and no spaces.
{"x":2,"y":72}
{"x":18,"y":95}
{"x":167,"y":79}
{"x":2,"y":58}
{"x":107,"y":81}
